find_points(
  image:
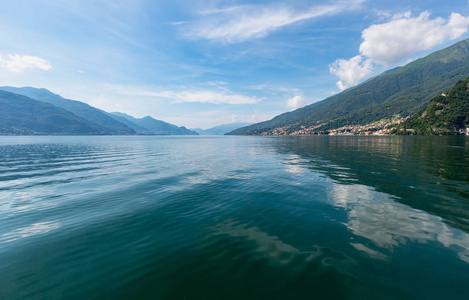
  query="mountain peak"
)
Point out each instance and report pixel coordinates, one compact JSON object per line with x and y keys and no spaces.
{"x":150,"y":125}
{"x":32,"y":92}
{"x":80,"y":109}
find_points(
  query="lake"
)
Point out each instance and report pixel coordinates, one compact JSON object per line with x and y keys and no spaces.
{"x":206,"y":217}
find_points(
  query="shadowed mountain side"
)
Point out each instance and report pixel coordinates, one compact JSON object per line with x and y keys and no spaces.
{"x":138,"y":129}
{"x":401,"y":91}
{"x":153,"y":126}
{"x":20,"y":115}
{"x":80,"y":109}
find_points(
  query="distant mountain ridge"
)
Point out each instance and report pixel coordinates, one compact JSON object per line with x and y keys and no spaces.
{"x":71,"y":116}
{"x":21,"y":115}
{"x":138,"y":129}
{"x":400,"y":91}
{"x":148,"y":125}
{"x":220,"y":129}
{"x":447,"y":113}
{"x":80,"y":109}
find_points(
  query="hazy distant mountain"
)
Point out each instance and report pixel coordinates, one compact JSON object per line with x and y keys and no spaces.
{"x":138,"y":129}
{"x":447,"y":113}
{"x":20,"y":115}
{"x":148,"y":125}
{"x":402,"y":91}
{"x":80,"y":109}
{"x":221,"y":129}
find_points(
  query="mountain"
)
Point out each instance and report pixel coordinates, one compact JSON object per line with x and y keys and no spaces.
{"x":220,"y":129}
{"x":401,"y":91}
{"x":447,"y":113}
{"x":21,"y":115}
{"x":80,"y":109}
{"x":148,"y":125}
{"x":127,"y":121}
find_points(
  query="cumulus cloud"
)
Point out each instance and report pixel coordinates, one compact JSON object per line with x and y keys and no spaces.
{"x":242,"y":23}
{"x":404,"y":35}
{"x":17,"y":63}
{"x":296,"y":102}
{"x":351,"y":71}
{"x":200,"y":97}
{"x":393,"y":41}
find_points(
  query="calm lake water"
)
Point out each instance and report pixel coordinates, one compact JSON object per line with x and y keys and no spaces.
{"x":234,"y":217}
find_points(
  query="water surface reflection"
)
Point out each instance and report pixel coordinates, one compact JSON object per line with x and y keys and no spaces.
{"x":234,"y":217}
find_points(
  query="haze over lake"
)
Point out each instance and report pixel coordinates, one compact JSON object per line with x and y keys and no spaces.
{"x":314,"y":217}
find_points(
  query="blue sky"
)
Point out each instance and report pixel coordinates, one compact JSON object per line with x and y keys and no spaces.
{"x":205,"y":63}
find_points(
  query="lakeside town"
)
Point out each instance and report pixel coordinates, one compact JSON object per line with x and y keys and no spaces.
{"x":381,"y":127}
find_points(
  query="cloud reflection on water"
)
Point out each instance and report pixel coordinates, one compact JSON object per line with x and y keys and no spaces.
{"x":279,"y":253}
{"x":388,"y":224}
{"x":34,"y":229}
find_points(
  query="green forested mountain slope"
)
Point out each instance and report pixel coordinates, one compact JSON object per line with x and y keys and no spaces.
{"x":447,"y":113}
{"x":20,"y":115}
{"x":400,"y":91}
{"x":80,"y":109}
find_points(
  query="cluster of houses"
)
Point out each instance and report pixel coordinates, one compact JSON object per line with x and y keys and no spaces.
{"x":377,"y":128}
{"x":382,"y":127}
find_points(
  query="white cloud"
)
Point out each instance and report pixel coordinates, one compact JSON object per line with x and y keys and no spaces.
{"x":296,"y":102}
{"x":351,"y":71}
{"x":242,"y":23}
{"x":17,"y":63}
{"x":200,"y":97}
{"x":404,"y":35}
{"x":391,"y":42}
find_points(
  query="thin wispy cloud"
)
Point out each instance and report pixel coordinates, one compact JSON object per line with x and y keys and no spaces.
{"x":241,"y":23}
{"x":18,"y":63}
{"x":273,"y":88}
{"x":398,"y":39}
{"x":221,"y":85}
{"x":201,"y":96}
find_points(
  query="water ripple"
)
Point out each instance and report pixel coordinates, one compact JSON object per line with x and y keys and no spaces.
{"x":233,"y":217}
